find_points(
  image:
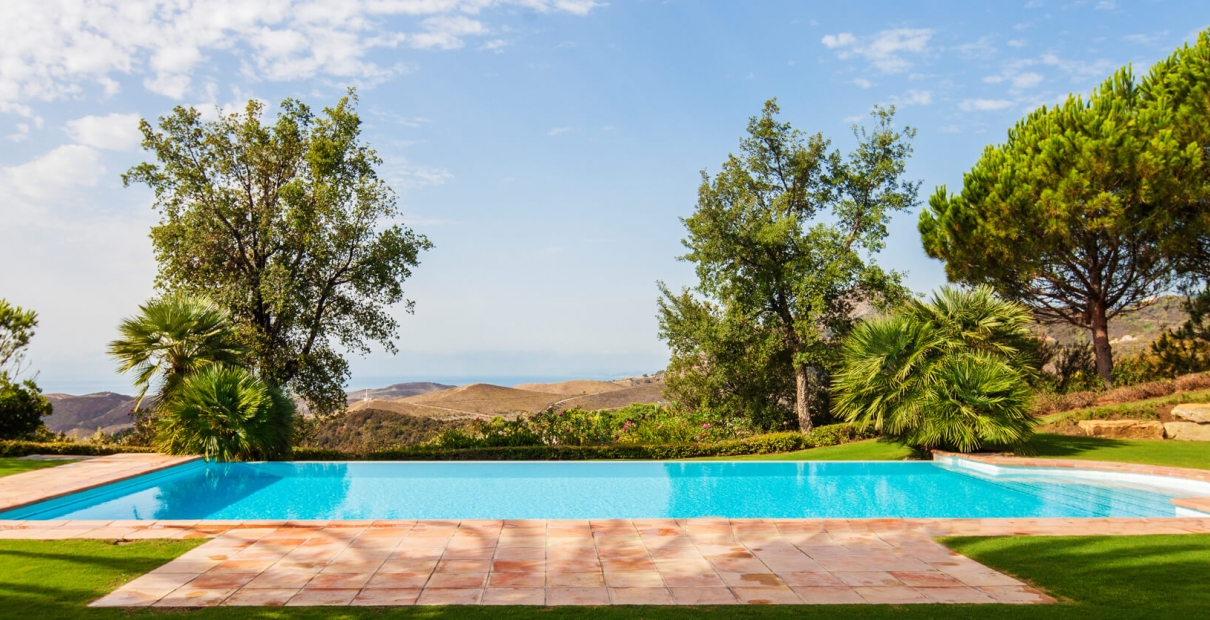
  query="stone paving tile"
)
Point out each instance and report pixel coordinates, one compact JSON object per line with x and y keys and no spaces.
{"x":422,"y":563}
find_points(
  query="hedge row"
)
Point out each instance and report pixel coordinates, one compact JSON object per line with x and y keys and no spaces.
{"x":12,"y":448}
{"x":772,"y":443}
{"x":760,"y":444}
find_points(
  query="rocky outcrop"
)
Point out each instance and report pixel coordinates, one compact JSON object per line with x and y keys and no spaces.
{"x":1187,"y":431}
{"x":1198,"y":413}
{"x":1123,"y":429}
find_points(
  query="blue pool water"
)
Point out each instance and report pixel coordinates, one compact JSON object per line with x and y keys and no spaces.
{"x":580,"y":490}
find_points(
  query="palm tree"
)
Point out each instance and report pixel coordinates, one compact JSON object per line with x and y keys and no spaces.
{"x":226,"y":413}
{"x":171,"y":338}
{"x":952,"y":373}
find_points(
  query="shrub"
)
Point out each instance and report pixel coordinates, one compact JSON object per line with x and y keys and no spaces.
{"x":634,"y":424}
{"x":26,"y":448}
{"x":772,"y":443}
{"x":952,"y":373}
{"x":226,"y":414}
{"x":22,"y":407}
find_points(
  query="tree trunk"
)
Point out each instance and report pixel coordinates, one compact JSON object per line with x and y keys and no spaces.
{"x":1100,"y":343}
{"x":802,"y":385}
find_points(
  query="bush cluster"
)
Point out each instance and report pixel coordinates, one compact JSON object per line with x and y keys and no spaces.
{"x":771,"y":443}
{"x":642,"y":424}
{"x":25,"y":448}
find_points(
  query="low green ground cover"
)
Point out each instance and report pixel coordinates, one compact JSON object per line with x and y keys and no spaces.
{"x":10,"y":466}
{"x":1151,"y":577}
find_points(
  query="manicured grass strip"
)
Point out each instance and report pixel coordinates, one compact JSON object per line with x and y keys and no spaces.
{"x":1106,"y":576}
{"x":9,"y":467}
{"x":1195,"y":454}
{"x":1143,"y":577}
{"x":868,"y":450}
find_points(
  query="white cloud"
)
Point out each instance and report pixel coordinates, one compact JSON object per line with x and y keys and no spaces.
{"x":861,"y":82}
{"x":1080,"y":70}
{"x":949,"y":129}
{"x":1018,"y":80}
{"x":1017,"y":43}
{"x":1033,"y":4}
{"x":914,"y":97}
{"x":495,"y":45}
{"x":114,"y":132}
{"x":1146,"y":39}
{"x":983,"y":105}
{"x":557,"y":131}
{"x":50,"y":176}
{"x":58,"y":48}
{"x":884,"y":50}
{"x":1106,"y":5}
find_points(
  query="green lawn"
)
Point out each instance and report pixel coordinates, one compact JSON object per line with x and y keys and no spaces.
{"x":1195,"y":454}
{"x":1171,"y":453}
{"x":9,"y":466}
{"x":1152,"y":577}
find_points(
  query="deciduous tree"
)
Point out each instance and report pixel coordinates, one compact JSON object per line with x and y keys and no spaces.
{"x":782,"y":238}
{"x":288,"y":227}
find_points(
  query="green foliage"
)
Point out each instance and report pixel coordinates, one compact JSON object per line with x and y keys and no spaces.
{"x":725,"y":365}
{"x":773,"y":443}
{"x":26,"y":448}
{"x":289,"y":228}
{"x":634,"y":424}
{"x":172,"y":338}
{"x":22,"y":408}
{"x":1185,"y":349}
{"x":780,"y":239}
{"x":16,"y":328}
{"x":366,"y":430}
{"x":951,"y":373}
{"x":22,"y":405}
{"x":1069,"y":214}
{"x":1180,"y":85}
{"x":226,"y":414}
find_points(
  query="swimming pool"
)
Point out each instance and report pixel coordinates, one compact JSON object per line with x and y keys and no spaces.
{"x":602,"y":490}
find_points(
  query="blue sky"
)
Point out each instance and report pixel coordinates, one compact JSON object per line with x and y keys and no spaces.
{"x":547,"y":147}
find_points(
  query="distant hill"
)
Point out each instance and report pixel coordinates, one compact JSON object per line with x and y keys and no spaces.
{"x":1131,"y":332}
{"x":399,"y":390}
{"x":83,"y":415}
{"x":570,"y":388}
{"x":484,"y":399}
{"x":616,"y":399}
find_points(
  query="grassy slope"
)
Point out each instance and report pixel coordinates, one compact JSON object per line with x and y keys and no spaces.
{"x":9,"y":467}
{"x":1141,"y":409}
{"x":1151,"y":577}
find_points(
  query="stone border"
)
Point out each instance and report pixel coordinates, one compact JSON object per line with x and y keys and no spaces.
{"x":1200,"y":504}
{"x":26,"y":488}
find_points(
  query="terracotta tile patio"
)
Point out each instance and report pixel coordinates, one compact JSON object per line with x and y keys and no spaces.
{"x":619,"y":562}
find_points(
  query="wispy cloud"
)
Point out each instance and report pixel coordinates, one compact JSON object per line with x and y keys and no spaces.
{"x":913,"y":97}
{"x":983,"y":105}
{"x":861,"y":83}
{"x":558,"y":131}
{"x":886,"y":51}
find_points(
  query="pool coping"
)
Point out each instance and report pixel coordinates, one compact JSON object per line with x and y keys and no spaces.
{"x":50,"y":483}
{"x":1196,"y":503}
